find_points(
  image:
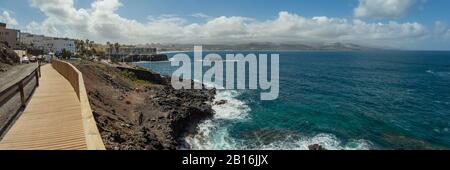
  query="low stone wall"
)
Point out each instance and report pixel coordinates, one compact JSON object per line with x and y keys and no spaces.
{"x":135,"y":58}
{"x":74,"y":76}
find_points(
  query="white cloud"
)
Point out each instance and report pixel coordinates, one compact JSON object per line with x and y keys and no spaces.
{"x":101,"y":22}
{"x":442,"y":29}
{"x":5,"y":17}
{"x":447,"y":35}
{"x":383,"y":8}
{"x":200,"y":15}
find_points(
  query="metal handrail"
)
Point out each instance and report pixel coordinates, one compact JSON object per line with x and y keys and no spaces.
{"x":13,"y":90}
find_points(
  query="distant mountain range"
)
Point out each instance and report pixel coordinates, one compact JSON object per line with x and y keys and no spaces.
{"x":271,"y":47}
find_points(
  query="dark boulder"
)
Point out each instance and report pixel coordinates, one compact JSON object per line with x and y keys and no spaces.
{"x":221,"y":102}
{"x":316,"y":147}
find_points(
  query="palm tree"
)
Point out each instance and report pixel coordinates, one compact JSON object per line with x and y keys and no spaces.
{"x":109,"y":45}
{"x":94,"y":52}
{"x":66,"y":54}
{"x":117,"y":46}
{"x":91,"y":44}
{"x":81,"y":48}
{"x":110,"y":49}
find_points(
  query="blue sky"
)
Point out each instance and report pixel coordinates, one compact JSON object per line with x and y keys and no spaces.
{"x":408,"y":24}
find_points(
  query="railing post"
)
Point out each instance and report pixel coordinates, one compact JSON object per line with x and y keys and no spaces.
{"x":39,"y":69}
{"x":22,"y":94}
{"x":37,"y":78}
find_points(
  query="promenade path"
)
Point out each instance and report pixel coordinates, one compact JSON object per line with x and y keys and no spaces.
{"x":52,"y":120}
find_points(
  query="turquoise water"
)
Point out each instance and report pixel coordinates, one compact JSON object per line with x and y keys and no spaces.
{"x":341,"y":100}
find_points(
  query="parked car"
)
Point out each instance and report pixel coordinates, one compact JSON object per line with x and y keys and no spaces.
{"x":40,"y":57}
{"x":46,"y":58}
{"x":25,"y":60}
{"x":33,"y":59}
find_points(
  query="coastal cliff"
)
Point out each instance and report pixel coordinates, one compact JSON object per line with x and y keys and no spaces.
{"x":142,"y":111}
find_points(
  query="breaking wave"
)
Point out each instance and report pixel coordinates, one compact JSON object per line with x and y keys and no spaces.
{"x":214,"y":134}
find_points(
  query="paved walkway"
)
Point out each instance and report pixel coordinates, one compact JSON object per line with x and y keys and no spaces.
{"x":51,"y":121}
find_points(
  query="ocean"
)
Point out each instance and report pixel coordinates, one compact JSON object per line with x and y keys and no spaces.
{"x":340,"y":100}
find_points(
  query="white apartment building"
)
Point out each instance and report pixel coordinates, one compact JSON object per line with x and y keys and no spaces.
{"x":48,"y":44}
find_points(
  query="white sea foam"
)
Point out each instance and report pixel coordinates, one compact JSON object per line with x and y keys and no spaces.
{"x":214,"y":134}
{"x":233,"y":109}
{"x":328,"y":141}
{"x":208,"y":84}
{"x":213,"y":137}
{"x":440,"y":74}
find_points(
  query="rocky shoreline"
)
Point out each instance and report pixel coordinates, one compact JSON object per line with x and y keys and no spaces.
{"x":137,"y":109}
{"x":142,"y":112}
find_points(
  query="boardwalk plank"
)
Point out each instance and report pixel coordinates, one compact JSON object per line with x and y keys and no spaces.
{"x":52,"y":120}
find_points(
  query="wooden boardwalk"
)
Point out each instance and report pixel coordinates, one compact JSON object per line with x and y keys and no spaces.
{"x":52,"y":120}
